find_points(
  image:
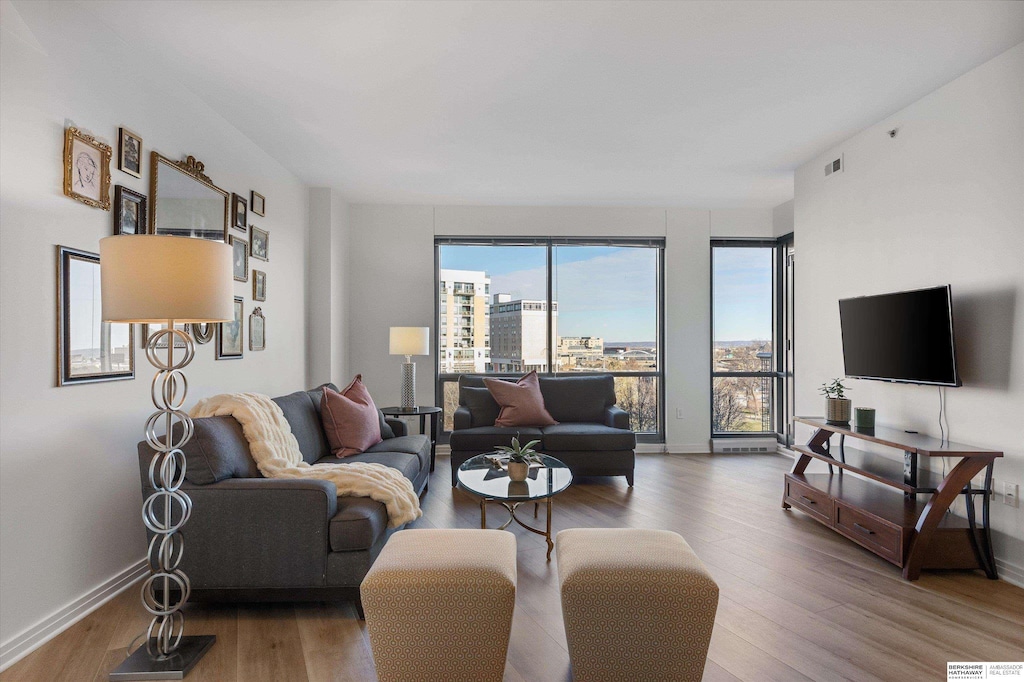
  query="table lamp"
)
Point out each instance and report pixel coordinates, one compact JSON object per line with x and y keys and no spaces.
{"x":163,"y":280}
{"x":409,"y":341}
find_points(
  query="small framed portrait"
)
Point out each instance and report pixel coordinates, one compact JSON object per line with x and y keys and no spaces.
{"x":259,"y":285}
{"x":239,"y":258}
{"x":257,"y":331}
{"x":129,"y":211}
{"x":260,"y":244}
{"x":86,"y":169}
{"x":229,"y":335}
{"x":238,"y":217}
{"x":257,"y":203}
{"x":129,"y":152}
{"x":88,"y":349}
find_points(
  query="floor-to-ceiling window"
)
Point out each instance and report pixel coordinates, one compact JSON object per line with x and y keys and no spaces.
{"x":751,"y":322}
{"x":509,"y":306}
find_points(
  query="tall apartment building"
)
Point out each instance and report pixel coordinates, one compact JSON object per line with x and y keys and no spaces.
{"x":464,"y":329}
{"x":580,"y":352}
{"x":518,"y":334}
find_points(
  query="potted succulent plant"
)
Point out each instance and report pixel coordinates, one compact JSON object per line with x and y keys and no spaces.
{"x":519,"y":458}
{"x":839,"y":406}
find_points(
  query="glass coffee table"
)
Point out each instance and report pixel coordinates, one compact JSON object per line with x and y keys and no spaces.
{"x":491,"y":484}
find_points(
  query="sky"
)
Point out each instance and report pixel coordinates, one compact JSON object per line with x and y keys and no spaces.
{"x":611,"y":292}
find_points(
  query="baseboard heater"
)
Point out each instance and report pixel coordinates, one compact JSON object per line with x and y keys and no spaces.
{"x":739,"y":445}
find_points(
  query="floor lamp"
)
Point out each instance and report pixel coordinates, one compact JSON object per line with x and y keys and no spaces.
{"x":409,"y":341}
{"x":166,"y":280}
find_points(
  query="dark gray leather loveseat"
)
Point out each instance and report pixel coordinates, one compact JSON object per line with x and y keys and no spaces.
{"x":252,"y":538}
{"x":592,"y":437}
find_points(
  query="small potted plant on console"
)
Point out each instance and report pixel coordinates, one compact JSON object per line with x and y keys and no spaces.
{"x":519,"y":458}
{"x":839,"y":406}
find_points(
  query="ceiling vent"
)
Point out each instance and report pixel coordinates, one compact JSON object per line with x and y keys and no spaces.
{"x":835,"y":166}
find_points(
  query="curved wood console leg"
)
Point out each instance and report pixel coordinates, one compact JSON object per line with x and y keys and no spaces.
{"x":951,"y":487}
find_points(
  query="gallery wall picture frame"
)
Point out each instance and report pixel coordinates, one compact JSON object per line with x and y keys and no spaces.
{"x":257,"y":203}
{"x":257,"y":331}
{"x":230,"y":334}
{"x":86,"y":169}
{"x":89,"y":350}
{"x":239,"y":258}
{"x":129,"y":152}
{"x":202,"y":332}
{"x":129,"y":211}
{"x":148,"y":329}
{"x":259,"y":246}
{"x":239,"y":220}
{"x":259,"y":285}
{"x":184,"y":202}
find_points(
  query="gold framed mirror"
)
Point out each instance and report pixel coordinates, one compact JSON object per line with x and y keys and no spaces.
{"x":184,"y":201}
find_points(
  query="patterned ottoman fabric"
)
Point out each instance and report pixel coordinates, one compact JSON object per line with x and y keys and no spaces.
{"x":637,"y":605}
{"x":439,"y":603}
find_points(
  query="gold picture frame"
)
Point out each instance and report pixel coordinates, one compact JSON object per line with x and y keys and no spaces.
{"x":257,"y":203}
{"x":239,"y":258}
{"x":206,"y":211}
{"x":259,"y":285}
{"x":86,"y":169}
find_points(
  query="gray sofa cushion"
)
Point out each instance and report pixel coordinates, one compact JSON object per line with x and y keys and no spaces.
{"x":358,"y":524}
{"x":216,"y":451}
{"x":408,"y":464}
{"x":484,"y":438}
{"x":578,"y":398}
{"x":482,"y":405}
{"x":303,"y":416}
{"x":583,"y":437}
{"x":412,"y":445}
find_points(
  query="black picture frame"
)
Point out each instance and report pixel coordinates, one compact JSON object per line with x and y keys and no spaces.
{"x":129,"y":220}
{"x":129,"y":152}
{"x":239,"y":219}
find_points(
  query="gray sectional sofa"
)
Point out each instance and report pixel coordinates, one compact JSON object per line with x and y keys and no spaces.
{"x":252,"y":538}
{"x":592,"y":437}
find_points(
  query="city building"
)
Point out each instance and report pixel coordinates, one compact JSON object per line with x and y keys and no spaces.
{"x":580,"y":352}
{"x":463,"y":329}
{"x":518,"y":341}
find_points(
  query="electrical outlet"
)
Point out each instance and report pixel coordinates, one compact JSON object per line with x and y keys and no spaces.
{"x":1010,"y":495}
{"x":679,"y":413}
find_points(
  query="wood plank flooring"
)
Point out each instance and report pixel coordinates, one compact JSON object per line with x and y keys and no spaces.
{"x":797,"y":602}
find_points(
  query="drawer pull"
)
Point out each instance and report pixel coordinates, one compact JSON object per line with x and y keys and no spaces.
{"x":807,"y":499}
{"x":862,"y":529}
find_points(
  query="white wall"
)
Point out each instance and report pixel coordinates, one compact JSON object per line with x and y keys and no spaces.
{"x":941,"y":203}
{"x":328,"y":288}
{"x":69,"y":478}
{"x":391,"y":266}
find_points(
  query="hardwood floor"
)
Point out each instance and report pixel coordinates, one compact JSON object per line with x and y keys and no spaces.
{"x":798,"y":602}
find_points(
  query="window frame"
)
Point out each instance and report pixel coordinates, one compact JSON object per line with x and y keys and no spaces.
{"x":549,"y":243}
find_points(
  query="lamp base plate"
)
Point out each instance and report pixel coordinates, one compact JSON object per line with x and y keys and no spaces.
{"x":141,"y":666}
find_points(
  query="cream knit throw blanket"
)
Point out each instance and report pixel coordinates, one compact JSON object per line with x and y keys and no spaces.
{"x":277,"y":455}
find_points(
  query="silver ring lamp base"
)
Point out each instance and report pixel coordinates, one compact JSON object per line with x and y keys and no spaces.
{"x":167,"y":654}
{"x":408,"y":384}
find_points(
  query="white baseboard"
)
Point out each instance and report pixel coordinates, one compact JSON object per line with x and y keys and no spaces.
{"x":27,"y":641}
{"x":688,"y":448}
{"x":1011,"y":573}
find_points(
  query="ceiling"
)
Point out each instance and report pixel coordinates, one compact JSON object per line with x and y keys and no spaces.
{"x":628,"y":103}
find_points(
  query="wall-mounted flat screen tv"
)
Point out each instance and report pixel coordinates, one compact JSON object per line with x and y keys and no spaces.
{"x":905,"y":337}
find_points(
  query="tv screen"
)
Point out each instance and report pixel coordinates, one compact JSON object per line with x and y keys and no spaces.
{"x":905,"y":336}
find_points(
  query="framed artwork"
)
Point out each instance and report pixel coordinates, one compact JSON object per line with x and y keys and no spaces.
{"x":238,"y":218}
{"x":88,"y":349}
{"x":260,"y":244}
{"x":148,"y":329}
{"x":229,"y":335}
{"x":257,"y":331}
{"x":202,"y":332}
{"x":86,"y":169}
{"x":259,"y":285}
{"x":257,"y":203}
{"x":129,"y":211}
{"x":239,"y":258}
{"x":129,"y":152}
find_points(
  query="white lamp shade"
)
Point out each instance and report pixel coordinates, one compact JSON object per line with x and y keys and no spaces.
{"x":154,"y":278}
{"x":410,"y":341}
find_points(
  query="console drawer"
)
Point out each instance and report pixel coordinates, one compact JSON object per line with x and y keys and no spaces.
{"x":810,"y":500}
{"x":881,"y":537}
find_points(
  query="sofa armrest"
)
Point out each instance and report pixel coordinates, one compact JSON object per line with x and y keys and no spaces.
{"x":462,"y":419}
{"x":259,"y":532}
{"x":397,"y":426}
{"x":616,"y":417}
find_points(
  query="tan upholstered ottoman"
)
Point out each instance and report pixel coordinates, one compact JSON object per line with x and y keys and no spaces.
{"x":439,"y":603}
{"x":637,"y":604}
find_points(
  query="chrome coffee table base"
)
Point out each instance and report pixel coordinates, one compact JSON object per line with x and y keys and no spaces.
{"x":142,"y":666}
{"x":511,"y":507}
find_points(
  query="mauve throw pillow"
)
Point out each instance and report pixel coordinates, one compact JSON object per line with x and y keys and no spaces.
{"x":350,"y":418}
{"x":521,"y":403}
